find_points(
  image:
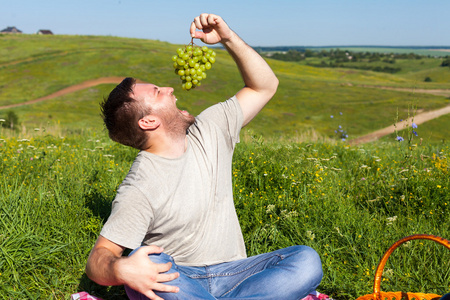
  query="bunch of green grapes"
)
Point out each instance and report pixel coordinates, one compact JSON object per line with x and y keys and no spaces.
{"x":191,"y":64}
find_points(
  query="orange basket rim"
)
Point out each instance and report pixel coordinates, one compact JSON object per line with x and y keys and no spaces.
{"x":378,"y":294}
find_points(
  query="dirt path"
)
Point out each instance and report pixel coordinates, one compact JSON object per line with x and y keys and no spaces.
{"x":418,"y":119}
{"x":70,"y":89}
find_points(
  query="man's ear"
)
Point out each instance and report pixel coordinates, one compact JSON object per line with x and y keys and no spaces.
{"x":149,"y":122}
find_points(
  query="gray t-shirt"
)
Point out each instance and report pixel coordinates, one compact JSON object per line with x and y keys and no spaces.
{"x":185,"y":205}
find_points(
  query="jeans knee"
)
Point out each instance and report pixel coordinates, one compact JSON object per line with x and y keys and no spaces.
{"x":309,"y":263}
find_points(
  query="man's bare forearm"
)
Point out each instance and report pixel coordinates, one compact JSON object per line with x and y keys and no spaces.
{"x":101,"y":267}
{"x":255,"y":71}
{"x":107,"y":266}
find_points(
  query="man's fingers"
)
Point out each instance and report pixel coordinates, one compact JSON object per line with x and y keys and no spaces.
{"x":212,"y":19}
{"x":152,"y":295}
{"x":167,"y":277}
{"x":201,"y":22}
{"x":165,"y":288}
{"x":150,"y":249}
{"x":161,"y":268}
{"x":193,"y":29}
{"x":203,"y":18}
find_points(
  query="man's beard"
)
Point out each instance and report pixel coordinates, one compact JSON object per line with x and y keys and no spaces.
{"x":178,"y":124}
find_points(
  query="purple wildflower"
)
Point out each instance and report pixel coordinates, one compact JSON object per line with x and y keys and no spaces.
{"x":414,"y":125}
{"x":399,"y":138}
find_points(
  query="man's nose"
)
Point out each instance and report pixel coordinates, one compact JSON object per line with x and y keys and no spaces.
{"x":169,"y":90}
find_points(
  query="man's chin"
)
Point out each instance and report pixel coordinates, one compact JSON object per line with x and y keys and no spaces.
{"x":188,"y":117}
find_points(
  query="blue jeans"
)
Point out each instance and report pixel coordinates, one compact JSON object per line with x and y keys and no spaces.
{"x":289,"y":273}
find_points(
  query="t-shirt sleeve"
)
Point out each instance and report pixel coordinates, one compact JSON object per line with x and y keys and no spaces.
{"x":226,"y":115}
{"x":131,"y":216}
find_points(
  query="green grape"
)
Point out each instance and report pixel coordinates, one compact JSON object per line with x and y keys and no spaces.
{"x":191,"y":64}
{"x":180,"y":62}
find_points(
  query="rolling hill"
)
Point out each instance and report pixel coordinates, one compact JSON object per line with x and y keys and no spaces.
{"x":310,"y":101}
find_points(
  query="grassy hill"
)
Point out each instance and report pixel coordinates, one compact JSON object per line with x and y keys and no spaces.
{"x":350,"y":203}
{"x":35,"y":66}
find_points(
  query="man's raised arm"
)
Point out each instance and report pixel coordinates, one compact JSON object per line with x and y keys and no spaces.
{"x":260,"y":81}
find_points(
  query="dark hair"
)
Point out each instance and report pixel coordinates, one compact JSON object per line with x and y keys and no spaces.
{"x":121,"y":114}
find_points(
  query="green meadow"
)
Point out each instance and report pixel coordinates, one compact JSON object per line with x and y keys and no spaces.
{"x":36,"y":66}
{"x":295,"y":180}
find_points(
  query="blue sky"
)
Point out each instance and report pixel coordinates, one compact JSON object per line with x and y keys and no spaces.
{"x":259,"y":23}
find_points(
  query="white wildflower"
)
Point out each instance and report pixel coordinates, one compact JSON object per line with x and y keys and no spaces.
{"x":270,"y":208}
{"x":310,"y":235}
{"x":391,"y":220}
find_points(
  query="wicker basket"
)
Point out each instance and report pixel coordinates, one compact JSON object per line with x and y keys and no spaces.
{"x":378,"y":295}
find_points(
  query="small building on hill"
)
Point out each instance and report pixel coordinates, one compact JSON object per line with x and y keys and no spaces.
{"x":12,"y":29}
{"x":44,"y":31}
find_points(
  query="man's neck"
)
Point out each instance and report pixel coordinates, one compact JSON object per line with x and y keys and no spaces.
{"x":168,"y":147}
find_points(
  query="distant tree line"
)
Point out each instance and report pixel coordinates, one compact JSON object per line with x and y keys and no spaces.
{"x":337,"y":58}
{"x":342,"y":55}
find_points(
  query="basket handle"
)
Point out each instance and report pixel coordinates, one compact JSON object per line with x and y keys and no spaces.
{"x":379,"y":271}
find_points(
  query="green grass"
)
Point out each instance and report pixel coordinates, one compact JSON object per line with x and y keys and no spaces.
{"x":34,"y":66}
{"x":294,"y":182}
{"x":57,"y":190}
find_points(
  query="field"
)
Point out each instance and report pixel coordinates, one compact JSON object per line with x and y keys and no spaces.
{"x":36,"y":66}
{"x":349,"y":203}
{"x":295,"y":180}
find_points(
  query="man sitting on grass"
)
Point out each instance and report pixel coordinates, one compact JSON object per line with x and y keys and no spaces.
{"x":175,"y":207}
